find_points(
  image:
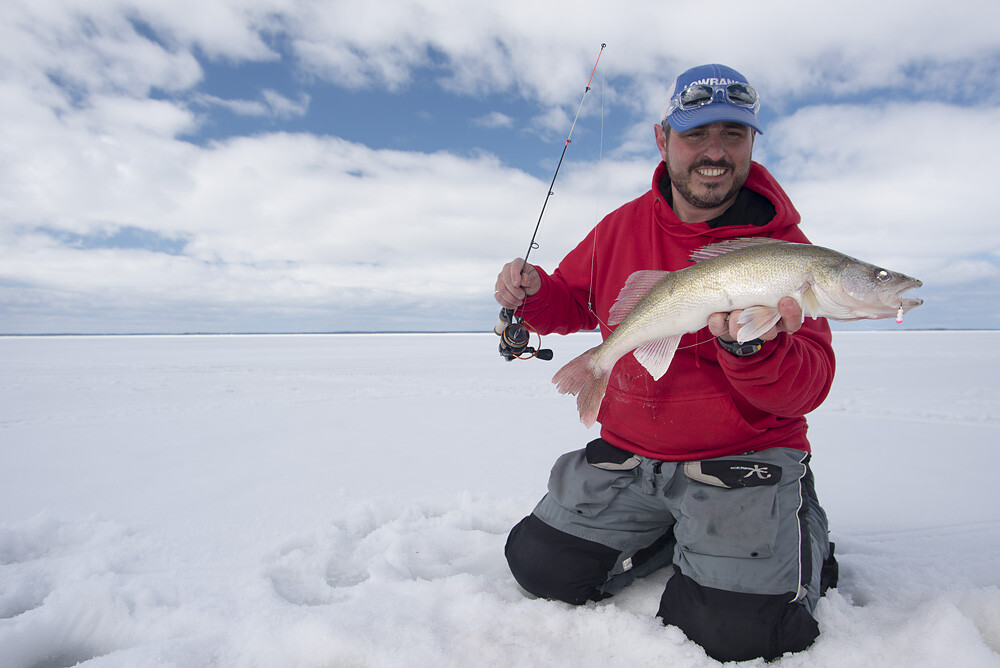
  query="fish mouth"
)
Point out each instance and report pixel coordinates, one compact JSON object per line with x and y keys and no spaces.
{"x":907,"y":303}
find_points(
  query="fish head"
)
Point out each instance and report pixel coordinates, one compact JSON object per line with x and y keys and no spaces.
{"x":864,"y":290}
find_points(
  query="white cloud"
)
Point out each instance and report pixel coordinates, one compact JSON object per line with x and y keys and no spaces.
{"x":233,"y":30}
{"x":555,"y":122}
{"x":537,"y":49}
{"x":494,"y":119}
{"x":276,"y":219}
{"x":540,"y":49}
{"x":280,"y":106}
{"x":895,"y":180}
{"x":95,"y":94}
{"x":87,"y":48}
{"x":272,"y":104}
{"x":238,"y":107}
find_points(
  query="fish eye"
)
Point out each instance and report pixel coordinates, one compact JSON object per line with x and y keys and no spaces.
{"x":882,"y":275}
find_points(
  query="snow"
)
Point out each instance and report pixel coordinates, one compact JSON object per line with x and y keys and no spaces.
{"x":344,"y":500}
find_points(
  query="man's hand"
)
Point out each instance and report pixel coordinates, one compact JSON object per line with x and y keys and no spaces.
{"x":725,"y":325}
{"x":515,"y":282}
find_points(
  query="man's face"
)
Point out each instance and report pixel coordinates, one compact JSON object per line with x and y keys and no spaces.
{"x":709,"y":164}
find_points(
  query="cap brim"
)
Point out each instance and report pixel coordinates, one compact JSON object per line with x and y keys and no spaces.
{"x":717,"y":112}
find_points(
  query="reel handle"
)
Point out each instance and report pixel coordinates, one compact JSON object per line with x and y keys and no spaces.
{"x":514,"y":338}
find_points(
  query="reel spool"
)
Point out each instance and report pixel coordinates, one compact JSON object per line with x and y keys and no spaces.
{"x":514,"y":338}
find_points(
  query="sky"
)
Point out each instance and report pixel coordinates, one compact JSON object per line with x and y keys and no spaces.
{"x":316,"y":166}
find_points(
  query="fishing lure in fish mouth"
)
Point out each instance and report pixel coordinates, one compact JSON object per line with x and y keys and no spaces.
{"x":899,"y":314}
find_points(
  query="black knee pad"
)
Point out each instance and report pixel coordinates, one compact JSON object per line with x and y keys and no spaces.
{"x":830,"y":574}
{"x":733,"y":626}
{"x":549,"y":563}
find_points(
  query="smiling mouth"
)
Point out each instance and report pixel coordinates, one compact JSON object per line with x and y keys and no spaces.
{"x":711,"y":171}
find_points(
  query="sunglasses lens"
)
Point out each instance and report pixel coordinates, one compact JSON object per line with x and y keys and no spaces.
{"x":741,"y":94}
{"x":698,"y":95}
{"x":695,"y":96}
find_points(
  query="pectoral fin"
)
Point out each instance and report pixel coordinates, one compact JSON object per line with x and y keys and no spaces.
{"x":655,"y":356}
{"x":807,"y":299}
{"x":810,"y":305}
{"x":756,"y":320}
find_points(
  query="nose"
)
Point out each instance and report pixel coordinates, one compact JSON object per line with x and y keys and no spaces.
{"x":714,"y":148}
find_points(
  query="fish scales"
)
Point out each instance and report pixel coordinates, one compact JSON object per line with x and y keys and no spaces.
{"x":751,"y":275}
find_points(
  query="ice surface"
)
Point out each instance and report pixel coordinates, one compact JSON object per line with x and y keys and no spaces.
{"x":344,"y":501}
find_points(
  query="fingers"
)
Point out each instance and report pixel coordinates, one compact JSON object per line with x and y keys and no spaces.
{"x":726,"y":325}
{"x":791,"y":315}
{"x":718,"y":325}
{"x":508,"y":286}
{"x":516,"y":281}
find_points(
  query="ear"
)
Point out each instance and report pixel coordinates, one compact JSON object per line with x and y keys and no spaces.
{"x":662,"y":135}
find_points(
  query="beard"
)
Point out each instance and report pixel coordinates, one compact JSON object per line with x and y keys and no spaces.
{"x":713,"y":195}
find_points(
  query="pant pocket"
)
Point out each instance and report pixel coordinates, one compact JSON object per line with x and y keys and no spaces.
{"x":585,"y":489}
{"x":728,"y":522}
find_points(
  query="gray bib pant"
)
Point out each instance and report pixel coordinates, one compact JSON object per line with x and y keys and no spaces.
{"x":745,"y":534}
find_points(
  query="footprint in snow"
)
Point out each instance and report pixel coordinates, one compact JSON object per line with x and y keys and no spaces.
{"x":386,"y":543}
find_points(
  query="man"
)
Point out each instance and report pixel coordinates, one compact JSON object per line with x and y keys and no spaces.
{"x":707,"y":468}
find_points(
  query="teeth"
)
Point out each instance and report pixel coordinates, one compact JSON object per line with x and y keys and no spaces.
{"x":711,"y":171}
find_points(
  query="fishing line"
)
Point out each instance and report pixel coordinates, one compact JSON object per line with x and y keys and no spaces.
{"x":597,"y":212}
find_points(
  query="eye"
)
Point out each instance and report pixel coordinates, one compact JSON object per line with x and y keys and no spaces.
{"x":882,"y":275}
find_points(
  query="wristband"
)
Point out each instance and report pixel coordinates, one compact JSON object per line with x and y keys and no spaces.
{"x":742,"y":349}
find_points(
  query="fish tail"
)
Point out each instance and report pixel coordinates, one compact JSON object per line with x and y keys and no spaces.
{"x":584,"y":378}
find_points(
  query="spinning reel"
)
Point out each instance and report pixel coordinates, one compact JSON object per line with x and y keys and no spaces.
{"x":515,"y":336}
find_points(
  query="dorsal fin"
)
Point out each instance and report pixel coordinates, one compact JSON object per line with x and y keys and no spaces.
{"x":730,"y":245}
{"x":635,"y":288}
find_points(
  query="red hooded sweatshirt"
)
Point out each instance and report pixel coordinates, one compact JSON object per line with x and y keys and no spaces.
{"x":710,"y":403}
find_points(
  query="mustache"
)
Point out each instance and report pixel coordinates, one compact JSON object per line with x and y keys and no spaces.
{"x":705,"y":162}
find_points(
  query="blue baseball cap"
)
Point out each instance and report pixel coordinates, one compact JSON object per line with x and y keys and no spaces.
{"x":715,"y":99}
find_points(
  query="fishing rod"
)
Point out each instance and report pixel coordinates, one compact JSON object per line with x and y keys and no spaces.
{"x":514,"y":334}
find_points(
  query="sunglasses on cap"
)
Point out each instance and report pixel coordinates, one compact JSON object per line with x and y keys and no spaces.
{"x":698,"y":95}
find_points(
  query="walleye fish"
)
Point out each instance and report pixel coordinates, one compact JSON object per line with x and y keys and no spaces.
{"x":655,"y":308}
